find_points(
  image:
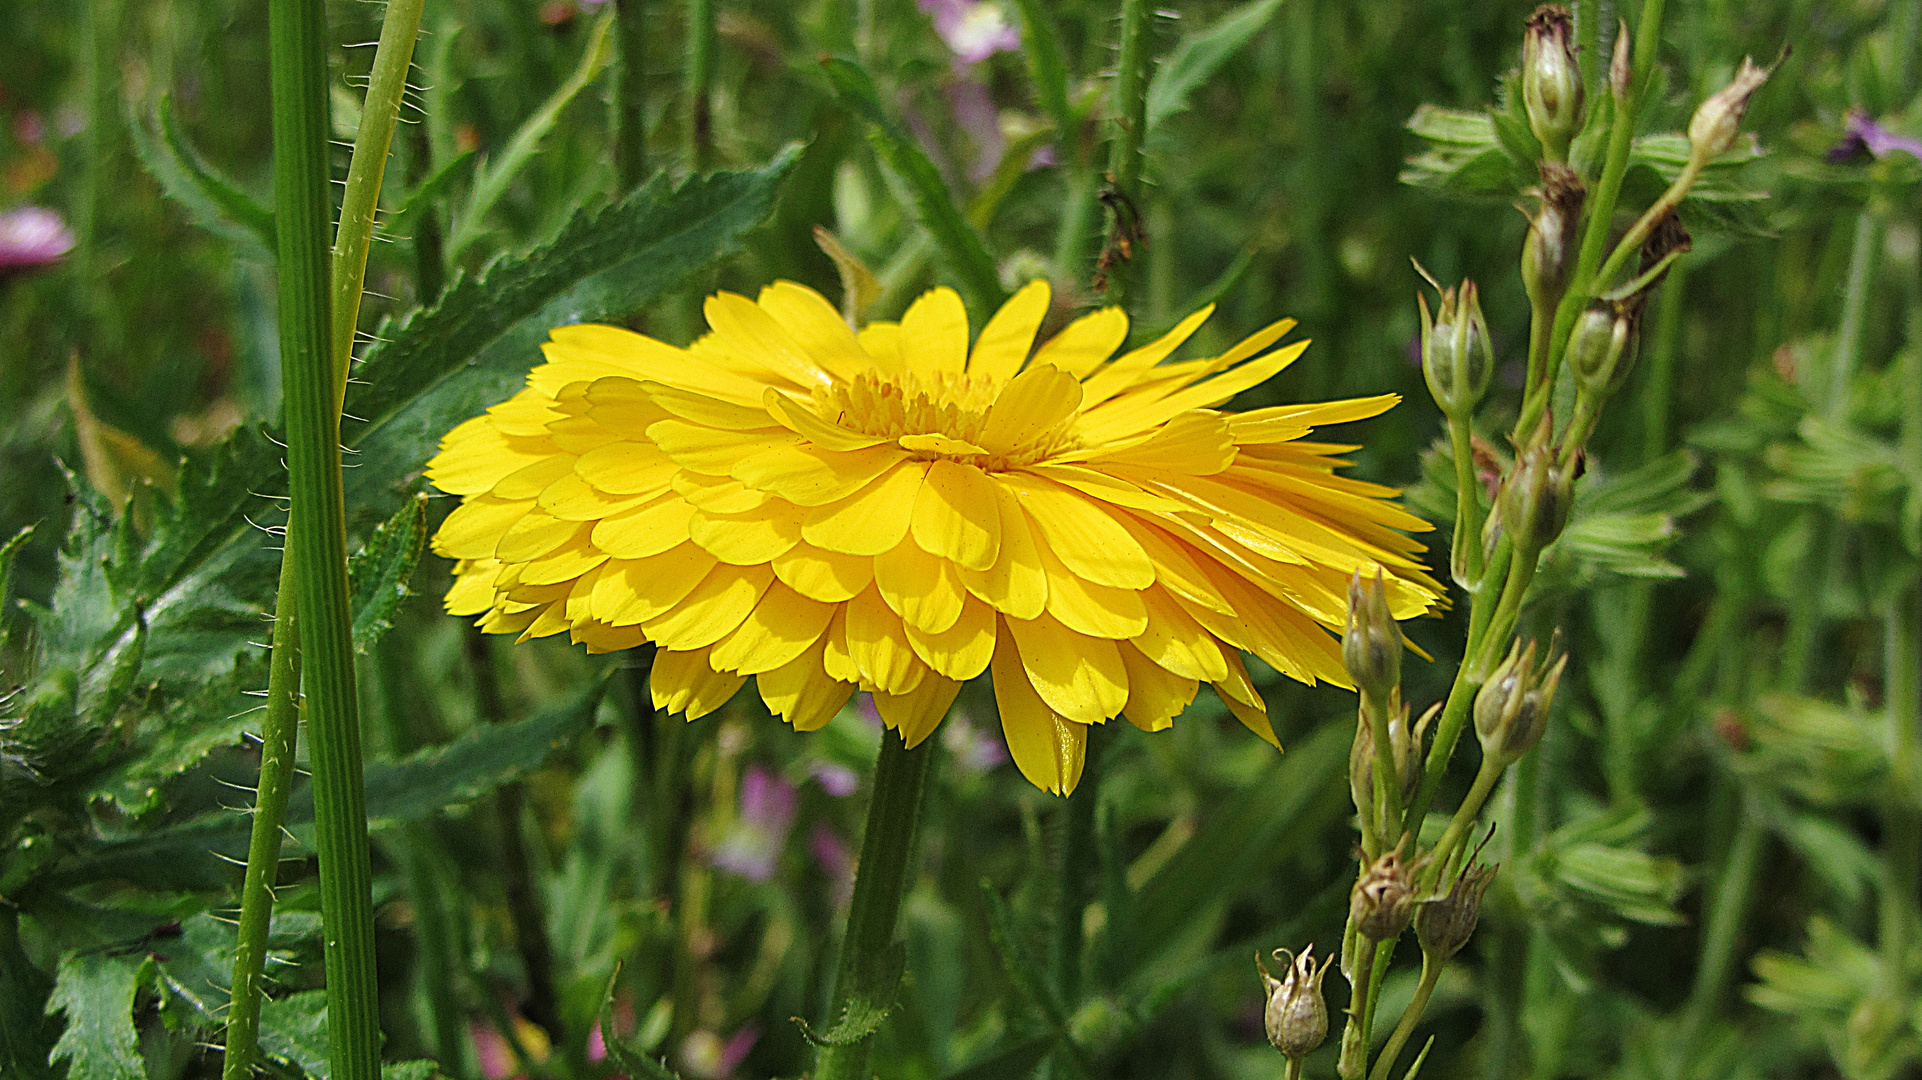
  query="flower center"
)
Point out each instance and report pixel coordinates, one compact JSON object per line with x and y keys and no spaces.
{"x":911,"y":403}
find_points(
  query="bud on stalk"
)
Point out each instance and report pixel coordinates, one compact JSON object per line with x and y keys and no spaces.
{"x":1601,"y":349}
{"x":1371,"y":644}
{"x":1718,"y":120}
{"x":1443,"y":924}
{"x":1383,"y":900}
{"x":1297,"y":1015}
{"x":1552,"y":79}
{"x":1537,"y":493}
{"x":1456,"y":356}
{"x":1511,"y":709}
{"x":1554,"y":234}
{"x":1619,"y":68}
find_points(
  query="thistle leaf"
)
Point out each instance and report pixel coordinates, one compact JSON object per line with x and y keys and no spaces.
{"x":96,"y":992}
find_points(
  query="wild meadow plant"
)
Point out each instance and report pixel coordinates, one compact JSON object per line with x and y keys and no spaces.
{"x":959,"y":398}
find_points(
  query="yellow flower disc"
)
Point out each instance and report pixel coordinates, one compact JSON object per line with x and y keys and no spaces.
{"x":895,"y":512}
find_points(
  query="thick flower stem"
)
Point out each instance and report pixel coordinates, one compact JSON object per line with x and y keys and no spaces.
{"x":880,"y":880}
{"x":279,"y":730}
{"x":1124,"y":161}
{"x":1430,"y":975}
{"x":1465,"y":555}
{"x":298,"y":67}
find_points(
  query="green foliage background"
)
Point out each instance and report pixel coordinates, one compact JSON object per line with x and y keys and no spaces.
{"x":1697,"y":894}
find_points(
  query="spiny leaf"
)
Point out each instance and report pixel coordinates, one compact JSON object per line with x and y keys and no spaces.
{"x":377,"y":575}
{"x":934,"y":204}
{"x":1200,"y":54}
{"x":877,"y":986}
{"x":637,"y":1065}
{"x":96,"y":992}
{"x":215,"y":203}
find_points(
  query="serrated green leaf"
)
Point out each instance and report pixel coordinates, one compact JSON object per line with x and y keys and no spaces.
{"x":377,"y":574}
{"x":637,"y":1065}
{"x":934,"y":204}
{"x":877,"y":987}
{"x":294,"y":1030}
{"x":440,"y":365}
{"x":214,"y":202}
{"x":1198,"y":55}
{"x":96,"y":993}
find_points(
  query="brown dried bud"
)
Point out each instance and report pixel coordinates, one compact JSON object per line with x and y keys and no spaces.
{"x":1552,"y":79}
{"x":1296,"y":1016}
{"x":1383,"y":899}
{"x":1443,"y":924}
{"x":1511,"y":709}
{"x":1554,"y":234}
{"x":1712,"y":130}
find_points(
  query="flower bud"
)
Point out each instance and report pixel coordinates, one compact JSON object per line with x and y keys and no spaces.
{"x":1443,"y":924}
{"x":1383,"y":899}
{"x":1371,"y":645}
{"x":1554,"y":234}
{"x":1511,"y":709}
{"x":1712,"y":130}
{"x":1600,"y":349}
{"x":1457,"y":358}
{"x":1619,"y":68}
{"x":1552,"y":79}
{"x":1405,"y":743}
{"x":1536,"y":495}
{"x":1296,"y":1016}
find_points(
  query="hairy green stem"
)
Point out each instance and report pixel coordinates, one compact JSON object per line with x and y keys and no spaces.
{"x":279,"y":731}
{"x":630,"y":97}
{"x":386,"y":83}
{"x":1430,"y":975}
{"x":880,"y":881}
{"x":1124,"y":160}
{"x":317,"y":531}
{"x":699,"y":84}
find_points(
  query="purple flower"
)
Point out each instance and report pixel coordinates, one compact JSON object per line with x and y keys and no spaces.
{"x":835,"y":778}
{"x":1863,"y":133}
{"x":32,"y":237}
{"x":974,"y":750}
{"x":836,"y":860}
{"x":972,"y":29}
{"x":752,"y":845}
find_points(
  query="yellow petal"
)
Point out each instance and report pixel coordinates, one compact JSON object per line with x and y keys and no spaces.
{"x":801,"y":691}
{"x":627,"y":468}
{"x":699,"y":408}
{"x":633,"y":591}
{"x":882,"y":341}
{"x":1175,"y":564}
{"x":1281,"y":423}
{"x":1015,"y":585}
{"x":1083,"y":344}
{"x":812,"y":476}
{"x":602,"y":638}
{"x":919,"y":711}
{"x":879,"y":646}
{"x":1175,"y":641}
{"x":645,"y":530}
{"x":552,"y":620}
{"x":565,"y":564}
{"x":1196,"y":443}
{"x":961,"y":651}
{"x":475,"y":528}
{"x":473,"y":588}
{"x":1155,"y":695}
{"x":476,"y":455}
{"x":801,"y":419}
{"x":957,"y":517}
{"x":1252,"y":714}
{"x":536,"y":534}
{"x":529,"y":481}
{"x":1033,"y":404}
{"x":934,"y":332}
{"x":745,"y":539}
{"x":718,"y":493}
{"x":571,"y":498}
{"x":1123,"y":415}
{"x":938,"y":444}
{"x":872,"y":520}
{"x":781,"y":627}
{"x":747,"y":331}
{"x":712,"y":611}
{"x":813,"y":324}
{"x":1083,"y":535}
{"x":1048,"y":749}
{"x":714,"y":451}
{"x":682,"y":681}
{"x":526,"y":413}
{"x":1005,"y":341}
{"x":923,"y":589}
{"x":828,"y":576}
{"x":1080,"y":677}
{"x":1087,"y":608}
{"x":835,"y":660}
{"x":614,"y":351}
{"x":1132,"y":365}
{"x":1109,"y":489}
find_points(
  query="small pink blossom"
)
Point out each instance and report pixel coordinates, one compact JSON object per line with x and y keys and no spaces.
{"x":972,"y":29}
{"x":32,"y":237}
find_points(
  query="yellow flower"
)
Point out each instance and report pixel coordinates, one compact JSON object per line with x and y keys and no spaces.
{"x":896,"y":512}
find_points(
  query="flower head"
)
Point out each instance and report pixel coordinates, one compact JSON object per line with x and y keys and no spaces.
{"x":32,"y":237}
{"x":899,"y":511}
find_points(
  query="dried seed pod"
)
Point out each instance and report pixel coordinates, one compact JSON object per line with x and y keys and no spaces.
{"x":1297,"y":1015}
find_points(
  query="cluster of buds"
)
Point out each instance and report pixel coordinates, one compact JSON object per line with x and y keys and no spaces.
{"x":1537,"y":494}
{"x":1554,"y":234}
{"x":1383,"y":899}
{"x":1296,"y":1016}
{"x":1552,"y":80}
{"x":1511,"y":709}
{"x":1443,"y":924}
{"x":1457,"y":357}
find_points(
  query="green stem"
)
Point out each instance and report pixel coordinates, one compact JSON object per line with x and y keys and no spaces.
{"x":630,"y":97}
{"x":1734,"y":888}
{"x":1430,"y":975}
{"x":1292,"y":1070}
{"x":1541,"y":334}
{"x":699,"y":85}
{"x":1902,"y":847}
{"x":880,"y":881}
{"x":387,"y":81}
{"x":1353,"y":1062}
{"x":1387,"y":777}
{"x":279,"y":730}
{"x":1855,"y":305}
{"x":1124,"y":161}
{"x":1079,"y":870}
{"x":1461,"y":694}
{"x":298,"y":69}
{"x":1464,"y":820}
{"x":1465,"y":554}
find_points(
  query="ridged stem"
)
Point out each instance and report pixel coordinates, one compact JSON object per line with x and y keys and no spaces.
{"x":317,"y":530}
{"x":880,"y":880}
{"x":279,"y":730}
